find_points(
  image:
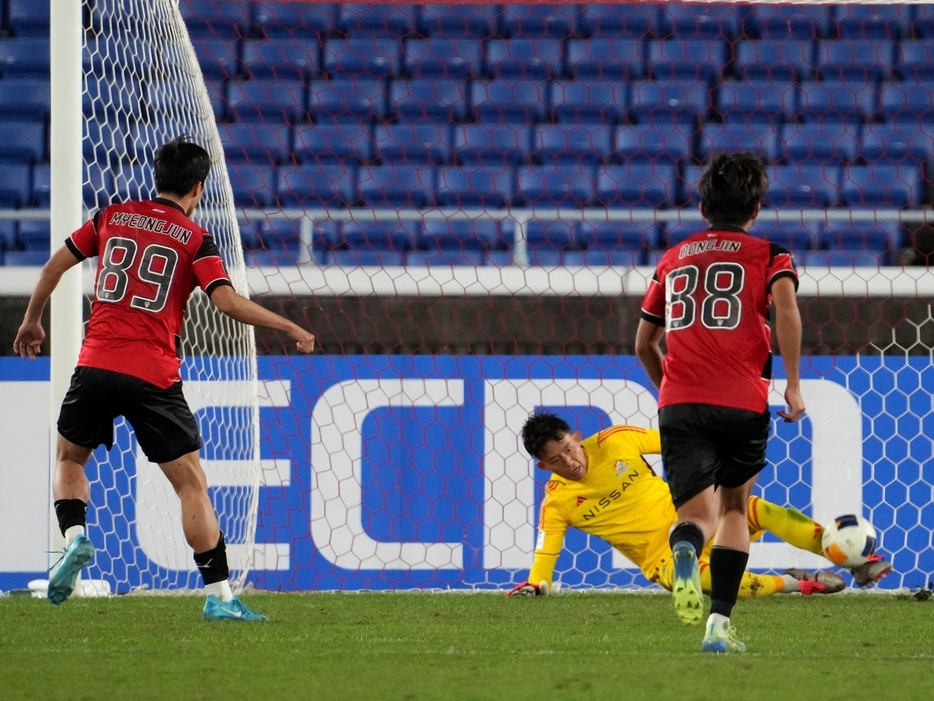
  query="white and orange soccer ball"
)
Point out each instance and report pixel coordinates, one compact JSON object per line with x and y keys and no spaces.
{"x":849,"y":541}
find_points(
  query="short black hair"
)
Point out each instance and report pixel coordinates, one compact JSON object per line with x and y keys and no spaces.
{"x":541,"y":428}
{"x":731,"y":188}
{"x":180,"y":165}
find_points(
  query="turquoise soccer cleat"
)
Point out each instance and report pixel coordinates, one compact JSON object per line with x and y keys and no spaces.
{"x":721,"y":639}
{"x":233,"y":610}
{"x":686,"y":588}
{"x":74,"y":558}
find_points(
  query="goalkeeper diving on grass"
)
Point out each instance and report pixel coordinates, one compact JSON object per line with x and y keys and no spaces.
{"x":603,"y":486}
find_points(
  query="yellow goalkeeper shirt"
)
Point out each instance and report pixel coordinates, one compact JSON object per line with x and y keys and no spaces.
{"x":620,"y":500}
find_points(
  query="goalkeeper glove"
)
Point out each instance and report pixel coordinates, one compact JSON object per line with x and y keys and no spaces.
{"x":527,"y":589}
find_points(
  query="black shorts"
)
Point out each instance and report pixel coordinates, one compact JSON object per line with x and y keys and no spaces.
{"x":705,"y":445}
{"x":164,"y":425}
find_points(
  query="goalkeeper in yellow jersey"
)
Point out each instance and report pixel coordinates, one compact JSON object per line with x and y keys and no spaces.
{"x":603,"y":486}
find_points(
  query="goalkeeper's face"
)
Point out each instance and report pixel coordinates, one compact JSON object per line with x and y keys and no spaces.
{"x":565,"y":458}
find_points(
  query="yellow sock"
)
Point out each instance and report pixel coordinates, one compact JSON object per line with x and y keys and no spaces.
{"x":752,"y":586}
{"x":788,"y":524}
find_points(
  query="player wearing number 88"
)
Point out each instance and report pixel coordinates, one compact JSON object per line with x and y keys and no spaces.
{"x":151,"y":257}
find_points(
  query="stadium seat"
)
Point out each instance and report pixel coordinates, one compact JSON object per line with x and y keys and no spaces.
{"x":390,"y":19}
{"x":836,"y":101}
{"x":529,"y":59}
{"x":786,"y":60}
{"x":537,"y":20}
{"x":757,"y":102}
{"x":216,"y":19}
{"x":35,"y":235}
{"x":634,"y":21}
{"x":804,"y":22}
{"x":617,"y":235}
{"x":103,"y":142}
{"x":513,"y":102}
{"x":677,"y":101}
{"x":29,"y":18}
{"x":133,"y":182}
{"x":701,"y":21}
{"x":97,"y":191}
{"x":798,"y":237}
{"x":461,"y":235}
{"x":281,"y":58}
{"x":22,"y":142}
{"x":24,"y":58}
{"x":262,"y":143}
{"x":7,"y":235}
{"x":341,"y":99}
{"x":503,"y":144}
{"x":374,"y":56}
{"x":14,"y":184}
{"x":803,"y":185}
{"x":281,"y":101}
{"x":679,"y":231}
{"x":444,"y":257}
{"x":583,"y":101}
{"x":477,"y":21}
{"x":545,"y":257}
{"x":658,"y":143}
{"x":817,"y":142}
{"x":398,"y":236}
{"x":881,"y":184}
{"x":555,"y":185}
{"x":855,"y":60}
{"x":692,"y":176}
{"x":416,"y":144}
{"x":636,"y":185}
{"x":443,"y":57}
{"x":874,"y":22}
{"x":881,"y":238}
{"x":24,"y":258}
{"x":580,"y":143}
{"x":602,"y":58}
{"x":549,"y":235}
{"x":474,"y":186}
{"x":427,"y":99}
{"x":272,"y":257}
{"x":343,"y":142}
{"x":218,"y":58}
{"x":837,"y":258}
{"x":253,"y":185}
{"x":285,"y":19}
{"x":909,"y":99}
{"x":314,"y":185}
{"x":685,"y":60}
{"x":897,"y":141}
{"x":915,"y":60}
{"x":923,"y":22}
{"x":396,"y":186}
{"x":378,"y":259}
{"x":597,"y":258}
{"x":498,"y":259}
{"x":761,"y":139}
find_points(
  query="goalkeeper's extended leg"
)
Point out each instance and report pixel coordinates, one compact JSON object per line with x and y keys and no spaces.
{"x":790,"y":525}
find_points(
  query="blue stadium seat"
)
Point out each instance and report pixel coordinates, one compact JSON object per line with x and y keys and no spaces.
{"x":513,"y":102}
{"x":549,"y":236}
{"x":685,"y":60}
{"x":678,"y":101}
{"x":531,"y":59}
{"x":546,"y":258}
{"x":617,"y":235}
{"x":398,"y":236}
{"x":29,"y":18}
{"x":375,"y":56}
{"x":281,"y":101}
{"x":478,"y":21}
{"x":702,"y":21}
{"x":798,"y":237}
{"x":314,"y":185}
{"x":97,"y":191}
{"x":378,"y":259}
{"x":218,"y":58}
{"x":391,"y":19}
{"x":498,"y":259}
{"x":805,"y":22}
{"x":396,"y":186}
{"x":761,"y":139}
{"x":874,"y":22}
{"x":35,"y":235}
{"x":7,"y":234}
{"x":24,"y":58}
{"x":898,"y":140}
{"x":601,"y":58}
{"x":474,"y":186}
{"x":216,"y":18}
{"x":341,"y":142}
{"x":443,"y":57}
{"x":635,"y":21}
{"x":911,"y":99}
{"x":636,"y":185}
{"x":14,"y":184}
{"x":881,"y":184}
{"x":341,"y":99}
{"x":803,"y":185}
{"x":884,"y":237}
{"x":253,"y":185}
{"x":923,"y":22}
{"x":817,"y":142}
{"x":269,"y":143}
{"x":24,"y":258}
{"x":679,"y":231}
{"x":584,"y":101}
{"x":125,"y":101}
{"x":416,"y":144}
{"x":249,"y":235}
{"x":505,"y":144}
{"x":659,"y":143}
{"x":283,"y":19}
{"x":838,"y":258}
{"x":461,"y":235}
{"x":580,"y":143}
{"x":916,"y":60}
{"x":272,"y":257}
{"x":444,"y":257}
{"x":555,"y":185}
{"x":281,"y":57}
{"x":537,"y":20}
{"x":133,"y":182}
{"x":217,"y":96}
{"x":775,"y":59}
{"x":757,"y":102}
{"x":598,"y":258}
{"x":22,"y":142}
{"x":856,"y":59}
{"x":425,"y":99}
{"x":692,"y":176}
{"x":835,"y":101}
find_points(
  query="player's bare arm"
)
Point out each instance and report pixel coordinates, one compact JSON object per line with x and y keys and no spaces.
{"x":649,"y":350}
{"x":788,"y":334}
{"x":238,"y":307}
{"x":29,"y":337}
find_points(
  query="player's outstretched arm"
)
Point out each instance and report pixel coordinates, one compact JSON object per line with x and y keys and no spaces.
{"x":788,"y":333}
{"x":238,"y":307}
{"x":29,"y":337}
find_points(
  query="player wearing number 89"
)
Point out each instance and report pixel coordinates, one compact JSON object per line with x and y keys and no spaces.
{"x":151,"y":257}
{"x":710,"y":297}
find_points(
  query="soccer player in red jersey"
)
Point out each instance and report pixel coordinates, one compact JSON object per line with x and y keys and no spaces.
{"x":709,"y":298}
{"x":152,"y":256}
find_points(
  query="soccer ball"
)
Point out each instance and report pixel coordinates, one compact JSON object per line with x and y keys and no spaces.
{"x":849,"y":541}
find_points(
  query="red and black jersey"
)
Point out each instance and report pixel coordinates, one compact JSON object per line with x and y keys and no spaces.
{"x":712,"y":294}
{"x":151,"y":258}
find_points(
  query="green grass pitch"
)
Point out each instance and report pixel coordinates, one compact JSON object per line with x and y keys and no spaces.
{"x":451,"y":646}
